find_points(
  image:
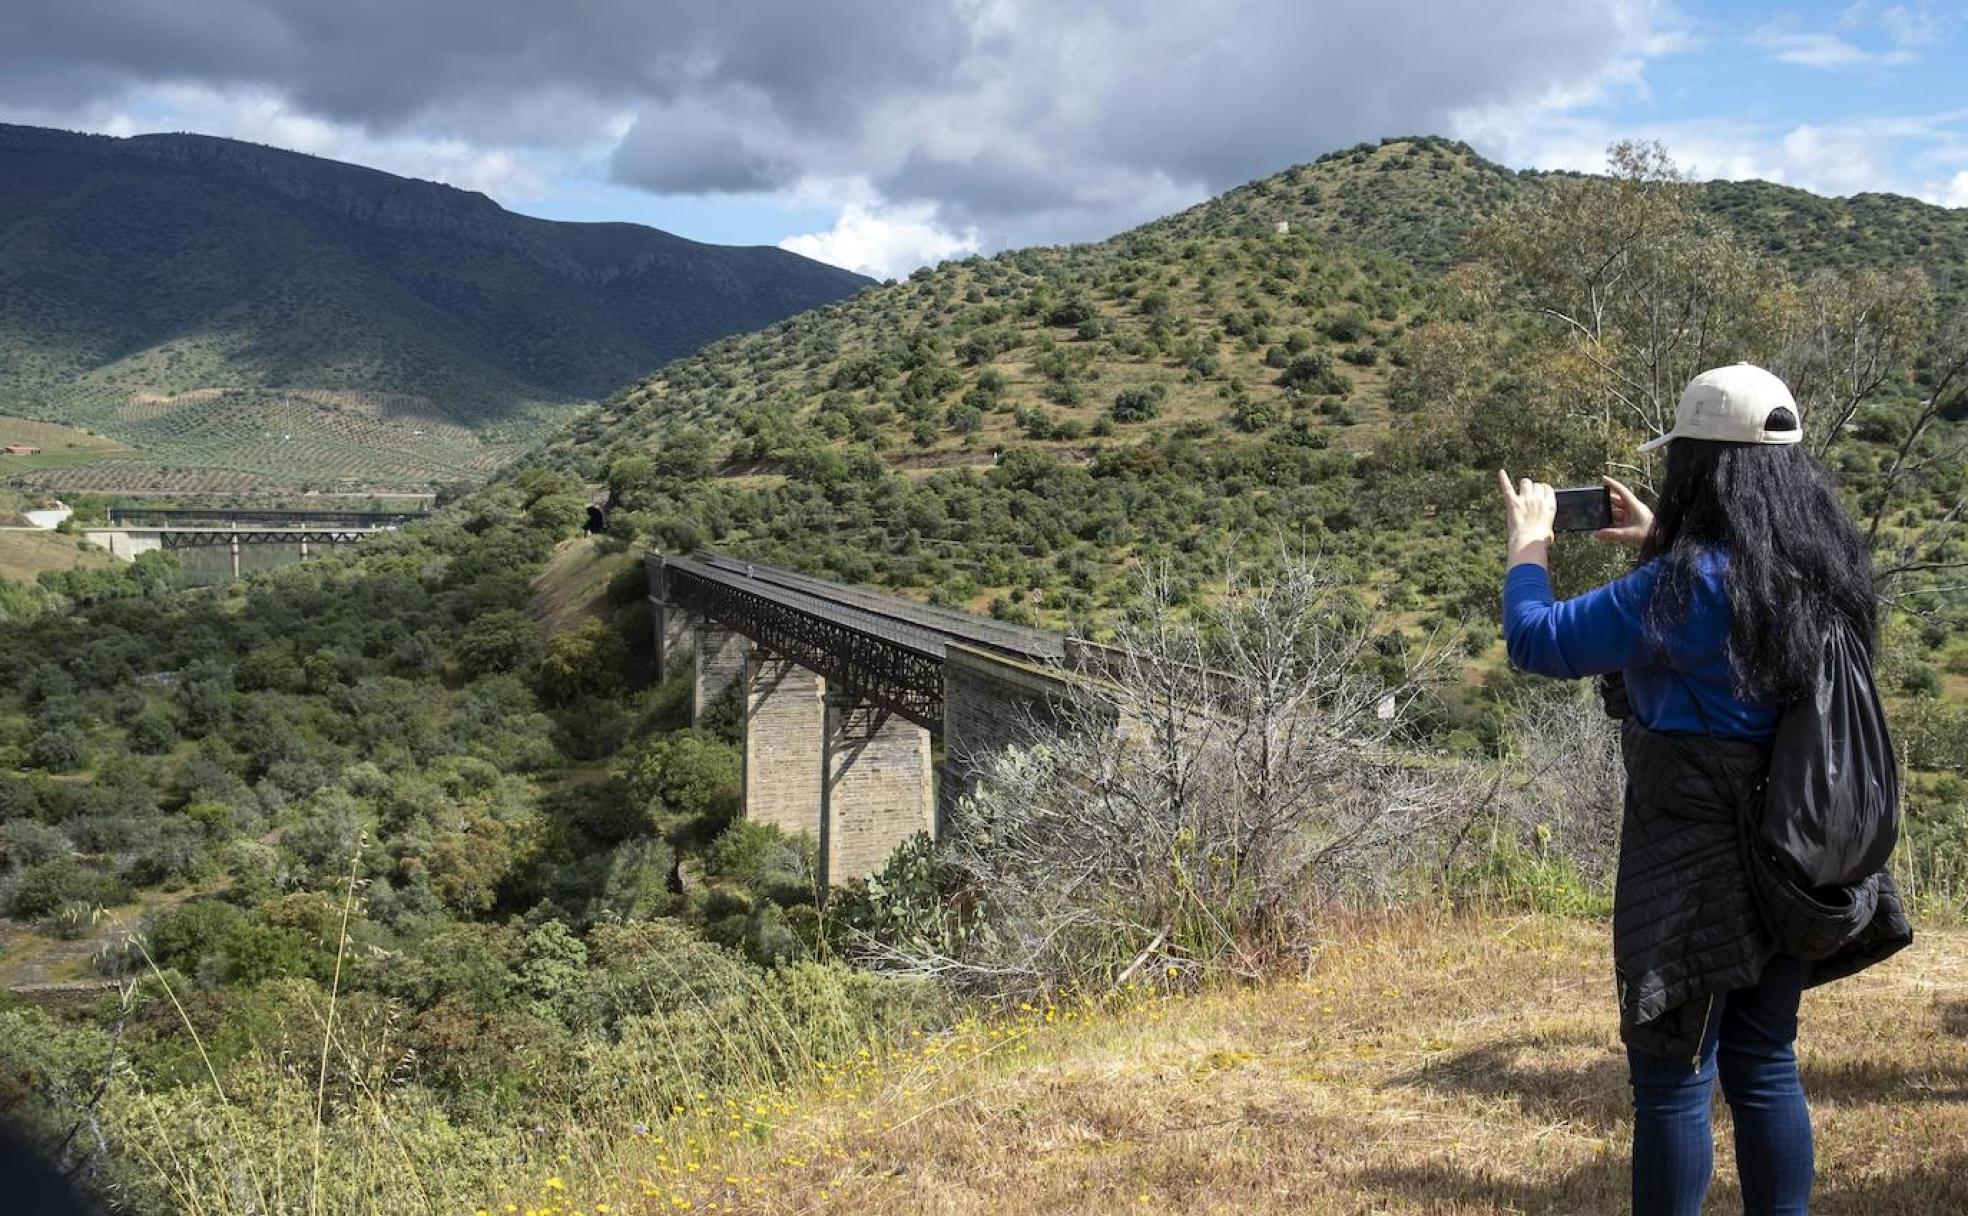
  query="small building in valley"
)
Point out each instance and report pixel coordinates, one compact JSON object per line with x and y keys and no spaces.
{"x":21,"y":449}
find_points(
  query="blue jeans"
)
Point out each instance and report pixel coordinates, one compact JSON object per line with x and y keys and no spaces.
{"x":1751,"y":1033}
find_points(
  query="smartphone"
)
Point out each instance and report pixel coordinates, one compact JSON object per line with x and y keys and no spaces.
{"x":1584,"y":509}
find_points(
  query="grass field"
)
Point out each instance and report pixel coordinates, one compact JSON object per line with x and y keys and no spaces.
{"x":62,"y":447}
{"x":1423,"y":1066}
{"x":26,"y":554}
{"x":574,"y":585}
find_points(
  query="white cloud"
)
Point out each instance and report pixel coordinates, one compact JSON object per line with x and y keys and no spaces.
{"x":1915,"y":26}
{"x":884,"y":242}
{"x":1907,"y":31}
{"x":1816,"y":50}
{"x":1916,"y":155}
{"x":1955,"y":192}
{"x":506,"y":173}
{"x":924,"y":129}
{"x":1023,"y":120}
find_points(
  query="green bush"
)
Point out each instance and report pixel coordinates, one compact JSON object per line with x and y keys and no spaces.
{"x":500,"y":641}
{"x":59,"y":749}
{"x":1137,"y":404}
{"x":688,"y":783}
{"x":46,"y":887}
{"x":25,"y":844}
{"x":1314,"y":373}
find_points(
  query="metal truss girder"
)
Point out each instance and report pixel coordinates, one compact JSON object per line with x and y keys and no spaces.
{"x":899,"y":676}
{"x":223,"y":538}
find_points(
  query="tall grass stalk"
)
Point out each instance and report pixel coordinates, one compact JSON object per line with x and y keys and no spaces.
{"x":328,"y":1029}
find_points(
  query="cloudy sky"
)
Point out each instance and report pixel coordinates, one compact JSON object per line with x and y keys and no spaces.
{"x":882,"y":134}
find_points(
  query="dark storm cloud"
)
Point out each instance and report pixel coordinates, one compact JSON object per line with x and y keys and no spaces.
{"x":1023,"y":118}
{"x":381,"y":63}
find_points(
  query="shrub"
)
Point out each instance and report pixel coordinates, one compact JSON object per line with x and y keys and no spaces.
{"x":502,"y":640}
{"x":1137,"y":404}
{"x":153,"y":731}
{"x":688,"y":782}
{"x":586,"y":661}
{"x":25,"y":843}
{"x":1251,"y":416}
{"x":59,"y":749}
{"x":1314,"y":373}
{"x":1347,"y":324}
{"x":46,"y":887}
{"x":557,"y":513}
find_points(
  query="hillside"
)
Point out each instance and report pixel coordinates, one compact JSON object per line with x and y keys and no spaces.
{"x":1220,"y":381}
{"x":241,"y":314}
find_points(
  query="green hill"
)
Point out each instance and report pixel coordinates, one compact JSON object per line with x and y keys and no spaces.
{"x":1014,"y":432}
{"x":243,"y":315}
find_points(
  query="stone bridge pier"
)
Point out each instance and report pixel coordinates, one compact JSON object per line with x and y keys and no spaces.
{"x":856,"y":777}
{"x":878,"y":788}
{"x":846,"y":695}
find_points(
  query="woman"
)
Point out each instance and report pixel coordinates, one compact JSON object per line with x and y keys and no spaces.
{"x":1742,"y":573}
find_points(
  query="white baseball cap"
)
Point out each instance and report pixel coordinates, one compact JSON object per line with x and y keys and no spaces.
{"x":1733,"y":404}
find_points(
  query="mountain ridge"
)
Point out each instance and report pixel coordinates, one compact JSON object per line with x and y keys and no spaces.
{"x":362,"y":193}
{"x":145,"y":269}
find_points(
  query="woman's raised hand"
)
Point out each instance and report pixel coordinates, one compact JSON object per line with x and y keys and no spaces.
{"x":1632,"y":519}
{"x":1530,"y":508}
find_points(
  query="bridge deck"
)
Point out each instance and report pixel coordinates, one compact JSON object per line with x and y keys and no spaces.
{"x":886,"y":649}
{"x":948,"y":622}
{"x":927,"y":642}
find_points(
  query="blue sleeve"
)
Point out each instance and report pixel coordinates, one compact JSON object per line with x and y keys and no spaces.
{"x":1587,"y":635}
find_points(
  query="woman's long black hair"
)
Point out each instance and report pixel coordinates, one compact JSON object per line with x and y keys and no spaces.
{"x":1794,"y":562}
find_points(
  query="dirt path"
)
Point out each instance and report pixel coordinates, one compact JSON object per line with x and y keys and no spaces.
{"x":43,"y":967}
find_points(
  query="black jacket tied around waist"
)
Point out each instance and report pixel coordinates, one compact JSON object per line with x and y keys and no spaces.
{"x":1698,"y":909}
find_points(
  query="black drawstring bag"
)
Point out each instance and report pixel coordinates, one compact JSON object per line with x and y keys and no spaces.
{"x":1831,"y":807}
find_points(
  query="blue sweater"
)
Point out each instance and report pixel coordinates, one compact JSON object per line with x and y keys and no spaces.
{"x":1603,"y":630}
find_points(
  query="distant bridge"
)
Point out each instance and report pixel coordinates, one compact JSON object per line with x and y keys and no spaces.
{"x":127,"y":542}
{"x":846,"y":690}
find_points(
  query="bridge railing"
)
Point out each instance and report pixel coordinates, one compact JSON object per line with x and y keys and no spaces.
{"x":889,"y":662}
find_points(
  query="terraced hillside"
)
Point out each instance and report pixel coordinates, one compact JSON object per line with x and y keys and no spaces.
{"x":327,"y":320}
{"x":245,"y":441}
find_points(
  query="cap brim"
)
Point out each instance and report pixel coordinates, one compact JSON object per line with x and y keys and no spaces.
{"x":1659,"y":441}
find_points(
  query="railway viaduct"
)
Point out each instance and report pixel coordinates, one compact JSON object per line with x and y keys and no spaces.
{"x":128,"y":542}
{"x":134,"y":531}
{"x":847,"y":694}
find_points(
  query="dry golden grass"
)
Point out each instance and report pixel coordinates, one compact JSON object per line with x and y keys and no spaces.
{"x":1422,"y":1066}
{"x":55,"y":438}
{"x":26,"y":554}
{"x":574,"y":586}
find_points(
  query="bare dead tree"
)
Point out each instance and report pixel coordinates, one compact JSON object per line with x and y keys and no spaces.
{"x":1569,"y":783}
{"x":1909,"y":559}
{"x":1855,"y":332}
{"x":1211,"y":781}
